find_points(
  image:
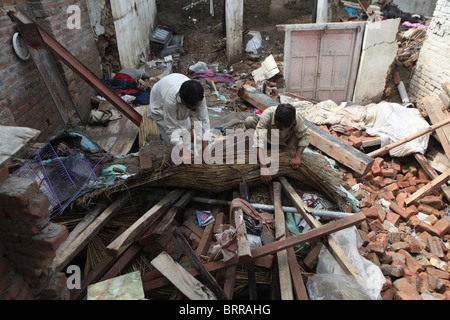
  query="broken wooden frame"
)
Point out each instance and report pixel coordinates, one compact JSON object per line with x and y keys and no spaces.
{"x":151,"y":283}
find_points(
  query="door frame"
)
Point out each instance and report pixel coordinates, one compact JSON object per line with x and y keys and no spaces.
{"x":359,"y":37}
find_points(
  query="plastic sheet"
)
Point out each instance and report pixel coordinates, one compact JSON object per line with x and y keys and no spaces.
{"x":331,"y":282}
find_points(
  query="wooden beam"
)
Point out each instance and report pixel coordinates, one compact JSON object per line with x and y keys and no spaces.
{"x":244,"y":252}
{"x":151,"y":283}
{"x":122,"y":262}
{"x":180,"y":278}
{"x":433,"y":106}
{"x":89,"y":233}
{"x":382,"y":151}
{"x":208,"y":278}
{"x":166,"y":223}
{"x":297,"y":279}
{"x":282,"y":256}
{"x":332,"y":246}
{"x":429,"y":188}
{"x":81,"y":226}
{"x":425,"y":164}
{"x":321,"y":139}
{"x":139,"y":227}
{"x":95,"y":274}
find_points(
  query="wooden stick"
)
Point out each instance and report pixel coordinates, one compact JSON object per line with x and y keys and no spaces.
{"x":332,"y":246}
{"x":282,"y":256}
{"x":244,"y":252}
{"x":140,"y":226}
{"x":430,"y":187}
{"x":423,"y":161}
{"x":208,"y":278}
{"x":311,"y":235}
{"x":83,"y":239}
{"x":384,"y":150}
{"x":182,"y":279}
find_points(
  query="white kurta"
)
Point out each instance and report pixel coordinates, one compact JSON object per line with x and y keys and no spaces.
{"x":167,"y":110}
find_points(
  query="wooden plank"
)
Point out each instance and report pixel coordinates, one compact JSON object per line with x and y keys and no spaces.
{"x":382,"y":151}
{"x":334,"y":249}
{"x":244,"y":252}
{"x":206,"y":276}
{"x":339,"y":150}
{"x":89,"y":233}
{"x":140,"y":226}
{"x":163,"y":227}
{"x":14,"y":140}
{"x":49,"y":71}
{"x":321,"y":139}
{"x":180,"y":278}
{"x":118,"y":136}
{"x":429,"y":188}
{"x":433,"y":106}
{"x":284,"y":271}
{"x":150,"y":282}
{"x":425,"y":164}
{"x":122,"y":262}
{"x":297,"y":279}
{"x":81,"y":226}
{"x":94,"y":275}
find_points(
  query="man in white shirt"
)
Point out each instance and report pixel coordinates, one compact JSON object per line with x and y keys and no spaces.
{"x":173,"y":100}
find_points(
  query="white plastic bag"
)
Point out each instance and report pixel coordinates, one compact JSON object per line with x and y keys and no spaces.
{"x":253,"y":45}
{"x":331,"y":282}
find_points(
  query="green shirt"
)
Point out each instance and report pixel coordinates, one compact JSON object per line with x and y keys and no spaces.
{"x":267,"y":122}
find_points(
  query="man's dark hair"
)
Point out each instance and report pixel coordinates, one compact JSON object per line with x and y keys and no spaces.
{"x":192,"y":92}
{"x":285,"y":114}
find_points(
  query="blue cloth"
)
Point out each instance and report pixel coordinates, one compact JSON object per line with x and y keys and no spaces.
{"x":352,"y":12}
{"x":143,"y":97}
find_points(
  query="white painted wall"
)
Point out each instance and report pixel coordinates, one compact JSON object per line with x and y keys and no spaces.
{"x":95,"y":8}
{"x":378,"y":53}
{"x":134,"y":21}
{"x":432,"y":68}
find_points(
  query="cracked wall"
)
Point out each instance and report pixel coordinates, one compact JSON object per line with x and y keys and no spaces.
{"x":378,"y":54}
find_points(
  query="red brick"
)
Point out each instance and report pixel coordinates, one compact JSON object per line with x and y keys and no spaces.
{"x":404,"y":290}
{"x":392,"y":187}
{"x":389,"y":173}
{"x":395,"y":164}
{"x":402,"y":212}
{"x":377,"y":226}
{"x":400,"y":246}
{"x":438,"y":273}
{"x":393,"y":217}
{"x":371,"y":213}
{"x":443,"y":226}
{"x":387,"y":295}
{"x":16,"y":286}
{"x":17,"y":192}
{"x":376,"y":169}
{"x":49,"y":239}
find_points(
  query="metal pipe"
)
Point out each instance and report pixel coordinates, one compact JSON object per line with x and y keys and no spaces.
{"x":270,"y":208}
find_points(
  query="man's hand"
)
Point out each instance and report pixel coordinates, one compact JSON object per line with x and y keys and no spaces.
{"x":296,"y":162}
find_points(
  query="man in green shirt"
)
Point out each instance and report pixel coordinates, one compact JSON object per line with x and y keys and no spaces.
{"x":290,"y":129}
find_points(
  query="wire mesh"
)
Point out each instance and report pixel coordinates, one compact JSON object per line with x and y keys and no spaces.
{"x":62,"y":173}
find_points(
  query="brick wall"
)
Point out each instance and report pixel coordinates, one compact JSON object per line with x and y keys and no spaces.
{"x":28,"y":243}
{"x":432,"y":68}
{"x":24,"y":98}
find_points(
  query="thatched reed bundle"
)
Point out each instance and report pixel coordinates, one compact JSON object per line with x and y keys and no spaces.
{"x":315,"y":171}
